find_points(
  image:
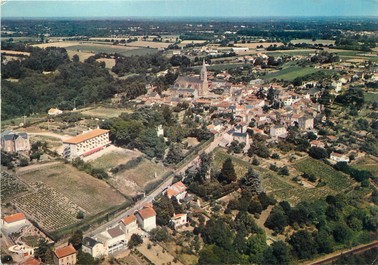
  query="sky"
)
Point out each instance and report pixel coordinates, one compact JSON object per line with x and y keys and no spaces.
{"x":187,"y":8}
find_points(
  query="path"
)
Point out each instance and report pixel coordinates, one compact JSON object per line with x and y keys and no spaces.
{"x":333,"y":256}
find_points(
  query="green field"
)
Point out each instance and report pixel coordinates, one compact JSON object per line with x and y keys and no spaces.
{"x":282,"y":187}
{"x":371,"y":97}
{"x":241,"y":166}
{"x":334,"y":179}
{"x":369,"y":164}
{"x":291,"y":73}
{"x":309,"y":41}
{"x":95,"y":48}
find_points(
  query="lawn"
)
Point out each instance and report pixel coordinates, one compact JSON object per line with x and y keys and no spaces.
{"x":90,"y":194}
{"x":105,"y":113}
{"x":334,"y":179}
{"x":291,"y":73}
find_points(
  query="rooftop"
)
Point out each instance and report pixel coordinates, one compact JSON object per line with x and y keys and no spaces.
{"x":14,"y":217}
{"x":115,"y":232}
{"x":175,"y":189}
{"x":129,"y":219}
{"x":65,"y":251}
{"x":146,"y":213}
{"x":85,"y":136}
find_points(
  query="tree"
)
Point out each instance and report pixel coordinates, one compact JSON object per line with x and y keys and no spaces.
{"x":76,"y":239}
{"x":175,"y":154}
{"x":42,"y":250}
{"x":317,"y":152}
{"x":277,"y":220}
{"x":228,"y":171}
{"x":277,"y":253}
{"x":250,"y":181}
{"x":159,"y":234}
{"x":219,"y":233}
{"x":85,"y":258}
{"x":134,"y":241}
{"x":75,"y":58}
{"x":164,"y":210}
{"x":303,"y":244}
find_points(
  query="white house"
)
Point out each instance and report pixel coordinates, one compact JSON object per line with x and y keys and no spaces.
{"x":93,"y":247}
{"x":13,"y":223}
{"x":129,"y":224}
{"x":114,"y":239}
{"x":179,"y":220}
{"x":278,"y":131}
{"x":146,"y":218}
{"x":54,"y":112}
{"x":339,"y":157}
{"x":177,"y":190}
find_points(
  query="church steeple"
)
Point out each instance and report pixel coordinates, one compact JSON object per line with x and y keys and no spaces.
{"x":205,"y":85}
{"x":204,"y":71}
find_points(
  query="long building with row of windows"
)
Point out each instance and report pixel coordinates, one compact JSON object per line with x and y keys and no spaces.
{"x":86,"y":144}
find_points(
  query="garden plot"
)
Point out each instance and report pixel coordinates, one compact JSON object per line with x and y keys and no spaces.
{"x":11,"y":187}
{"x":48,"y":208}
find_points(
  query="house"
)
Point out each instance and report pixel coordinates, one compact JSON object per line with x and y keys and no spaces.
{"x":306,"y":123}
{"x":177,"y":190}
{"x":114,"y":239}
{"x":339,"y":157}
{"x":86,"y":143}
{"x":14,"y":142}
{"x":54,"y":112}
{"x":129,"y":224}
{"x":13,"y":223}
{"x":317,"y":144}
{"x":65,"y":255}
{"x":93,"y":247}
{"x":179,"y":220}
{"x":146,"y":218}
{"x":278,"y":131}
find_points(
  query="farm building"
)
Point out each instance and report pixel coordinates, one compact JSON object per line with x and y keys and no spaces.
{"x":65,"y":255}
{"x":86,"y":143}
{"x":54,"y":112}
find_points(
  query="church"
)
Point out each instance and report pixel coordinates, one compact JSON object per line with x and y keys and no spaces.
{"x":192,"y":86}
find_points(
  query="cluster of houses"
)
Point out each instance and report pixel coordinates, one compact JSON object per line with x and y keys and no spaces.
{"x":117,"y":237}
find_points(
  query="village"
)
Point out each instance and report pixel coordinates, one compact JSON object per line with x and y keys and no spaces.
{"x":234,"y":142}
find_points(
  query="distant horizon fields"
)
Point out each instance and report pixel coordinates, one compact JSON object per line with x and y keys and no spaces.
{"x":202,"y":18}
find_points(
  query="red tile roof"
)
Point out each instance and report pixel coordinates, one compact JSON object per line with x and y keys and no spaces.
{"x":14,"y":217}
{"x":146,"y":213}
{"x":129,"y":219}
{"x":176,"y":189}
{"x":65,"y":251}
{"x":31,"y":261}
{"x":85,"y":136}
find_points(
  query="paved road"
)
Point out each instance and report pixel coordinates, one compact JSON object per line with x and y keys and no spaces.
{"x":149,"y":198}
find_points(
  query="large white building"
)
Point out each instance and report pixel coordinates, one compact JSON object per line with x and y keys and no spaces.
{"x":114,"y":239}
{"x":86,"y":143}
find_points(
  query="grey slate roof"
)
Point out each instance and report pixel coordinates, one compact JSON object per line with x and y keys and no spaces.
{"x":89,"y":242}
